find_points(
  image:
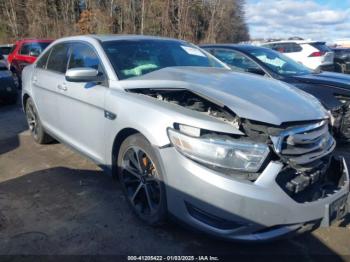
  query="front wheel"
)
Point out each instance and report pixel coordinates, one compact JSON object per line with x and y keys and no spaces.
{"x":35,"y":126}
{"x":142,"y":181}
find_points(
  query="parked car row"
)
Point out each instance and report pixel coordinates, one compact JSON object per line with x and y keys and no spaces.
{"x":331,"y":89}
{"x":13,"y":58}
{"x":8,"y":88}
{"x":208,"y":141}
{"x":312,"y":54}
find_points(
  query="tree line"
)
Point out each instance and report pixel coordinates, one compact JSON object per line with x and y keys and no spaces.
{"x":197,"y":21}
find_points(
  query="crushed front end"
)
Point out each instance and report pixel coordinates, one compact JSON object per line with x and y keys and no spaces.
{"x":275,"y":181}
{"x":311,"y":172}
{"x":300,"y":187}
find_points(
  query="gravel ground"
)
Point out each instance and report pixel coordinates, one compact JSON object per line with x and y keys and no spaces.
{"x":54,"y":201}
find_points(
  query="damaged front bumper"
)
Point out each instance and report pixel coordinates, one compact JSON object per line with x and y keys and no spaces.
{"x":237,"y":209}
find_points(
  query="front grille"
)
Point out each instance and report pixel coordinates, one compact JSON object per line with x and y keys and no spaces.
{"x":303,"y":145}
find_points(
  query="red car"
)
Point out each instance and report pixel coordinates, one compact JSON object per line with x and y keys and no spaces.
{"x":25,"y":52}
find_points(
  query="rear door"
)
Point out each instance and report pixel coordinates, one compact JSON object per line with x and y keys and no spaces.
{"x":81,"y":105}
{"x":48,"y":74}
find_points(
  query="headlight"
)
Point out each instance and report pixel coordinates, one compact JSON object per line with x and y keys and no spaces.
{"x":224,"y":153}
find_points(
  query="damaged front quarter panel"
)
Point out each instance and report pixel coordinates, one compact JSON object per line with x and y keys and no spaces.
{"x":221,"y":119}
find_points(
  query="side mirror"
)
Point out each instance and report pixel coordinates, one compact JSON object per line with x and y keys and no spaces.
{"x":82,"y":74}
{"x":256,"y":71}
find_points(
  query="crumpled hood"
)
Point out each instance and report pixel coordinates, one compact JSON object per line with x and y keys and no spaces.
{"x":327,"y":78}
{"x":248,"y":96}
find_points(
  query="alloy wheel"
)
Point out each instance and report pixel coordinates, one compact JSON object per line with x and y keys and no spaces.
{"x":141,"y":181}
{"x":32,"y":120}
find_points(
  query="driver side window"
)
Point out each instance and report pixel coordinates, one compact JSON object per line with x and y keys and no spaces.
{"x":84,"y":56}
{"x":236,"y":61}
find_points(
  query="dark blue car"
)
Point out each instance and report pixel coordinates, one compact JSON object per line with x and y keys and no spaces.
{"x":8,"y":88}
{"x":332,"y":89}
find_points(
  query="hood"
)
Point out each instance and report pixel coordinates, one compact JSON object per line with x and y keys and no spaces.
{"x":248,"y":96}
{"x":327,"y":78}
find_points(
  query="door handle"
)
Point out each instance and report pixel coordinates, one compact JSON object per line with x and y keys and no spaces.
{"x":62,"y":87}
{"x":34,"y":80}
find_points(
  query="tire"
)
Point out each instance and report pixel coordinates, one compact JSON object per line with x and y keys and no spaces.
{"x":38,"y":133}
{"x":142,"y":180}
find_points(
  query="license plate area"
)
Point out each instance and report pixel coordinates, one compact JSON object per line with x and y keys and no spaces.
{"x":338,"y":209}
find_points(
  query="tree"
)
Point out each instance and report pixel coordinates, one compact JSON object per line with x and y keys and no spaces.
{"x":192,"y":20}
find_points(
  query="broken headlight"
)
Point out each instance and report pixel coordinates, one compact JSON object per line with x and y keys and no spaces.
{"x":220,"y":152}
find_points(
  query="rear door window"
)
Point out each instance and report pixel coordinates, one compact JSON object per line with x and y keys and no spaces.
{"x":58,"y":58}
{"x":286,"y":47}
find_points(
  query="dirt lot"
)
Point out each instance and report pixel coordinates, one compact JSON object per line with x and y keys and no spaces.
{"x":53,"y":201}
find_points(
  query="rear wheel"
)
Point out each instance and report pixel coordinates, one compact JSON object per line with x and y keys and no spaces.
{"x":141,"y":179}
{"x":35,"y":126}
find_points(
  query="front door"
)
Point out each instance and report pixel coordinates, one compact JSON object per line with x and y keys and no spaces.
{"x":81,"y":105}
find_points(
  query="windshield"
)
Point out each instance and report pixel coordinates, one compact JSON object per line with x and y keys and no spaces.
{"x":138,"y":57}
{"x":279,"y":63}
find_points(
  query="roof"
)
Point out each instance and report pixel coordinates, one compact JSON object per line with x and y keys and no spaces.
{"x":234,"y":46}
{"x":340,"y":48}
{"x":294,"y":41}
{"x":26,"y":40}
{"x":105,"y":38}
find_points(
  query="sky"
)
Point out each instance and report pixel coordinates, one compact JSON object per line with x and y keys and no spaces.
{"x":310,"y":19}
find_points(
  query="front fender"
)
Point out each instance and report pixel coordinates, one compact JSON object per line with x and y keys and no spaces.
{"x":26,"y":81}
{"x":152,"y":117}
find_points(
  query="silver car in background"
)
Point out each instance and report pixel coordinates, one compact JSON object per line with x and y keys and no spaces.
{"x":234,"y":155}
{"x":5,"y":50}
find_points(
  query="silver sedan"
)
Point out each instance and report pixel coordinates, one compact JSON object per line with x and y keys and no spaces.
{"x":234,"y":155}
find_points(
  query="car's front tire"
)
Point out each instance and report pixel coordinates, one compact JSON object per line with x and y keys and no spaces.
{"x":38,"y":133}
{"x":142,"y":180}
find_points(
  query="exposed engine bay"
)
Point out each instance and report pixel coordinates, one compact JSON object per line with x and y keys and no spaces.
{"x":304,"y":147}
{"x":192,"y":101}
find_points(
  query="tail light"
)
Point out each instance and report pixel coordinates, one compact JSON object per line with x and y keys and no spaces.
{"x":317,"y":54}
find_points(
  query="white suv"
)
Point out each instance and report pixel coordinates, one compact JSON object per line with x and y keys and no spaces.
{"x":310,"y":53}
